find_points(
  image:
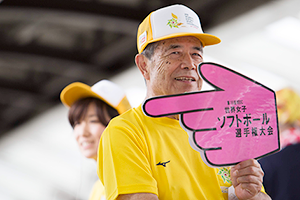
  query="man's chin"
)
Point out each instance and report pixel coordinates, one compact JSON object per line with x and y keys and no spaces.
{"x":189,"y":90}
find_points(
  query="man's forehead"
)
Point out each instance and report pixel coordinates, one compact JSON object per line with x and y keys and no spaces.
{"x":180,"y":41}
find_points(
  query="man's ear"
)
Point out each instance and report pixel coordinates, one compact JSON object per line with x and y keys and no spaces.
{"x":143,"y":64}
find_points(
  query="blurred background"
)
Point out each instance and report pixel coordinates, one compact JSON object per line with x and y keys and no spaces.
{"x":45,"y":45}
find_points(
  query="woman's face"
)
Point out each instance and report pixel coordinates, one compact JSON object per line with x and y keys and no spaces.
{"x":88,"y":131}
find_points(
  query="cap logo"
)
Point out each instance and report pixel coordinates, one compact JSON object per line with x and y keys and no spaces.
{"x":189,"y":21}
{"x":143,"y":38}
{"x":173,"y":23}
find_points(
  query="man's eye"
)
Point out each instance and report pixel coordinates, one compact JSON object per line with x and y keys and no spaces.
{"x":175,"y":52}
{"x":197,"y":54}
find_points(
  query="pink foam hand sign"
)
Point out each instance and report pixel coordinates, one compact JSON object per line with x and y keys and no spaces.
{"x":234,"y":122}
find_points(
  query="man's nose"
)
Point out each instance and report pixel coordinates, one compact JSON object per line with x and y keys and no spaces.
{"x":187,"y":62}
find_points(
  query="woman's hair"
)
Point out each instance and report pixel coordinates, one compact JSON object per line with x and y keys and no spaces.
{"x":79,"y":109}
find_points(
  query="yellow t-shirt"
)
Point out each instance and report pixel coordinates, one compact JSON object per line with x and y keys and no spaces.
{"x":153,"y":155}
{"x":98,"y":192}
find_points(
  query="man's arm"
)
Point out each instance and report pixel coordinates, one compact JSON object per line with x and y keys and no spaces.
{"x":122,"y":165}
{"x":247,"y":178}
{"x":137,"y":196}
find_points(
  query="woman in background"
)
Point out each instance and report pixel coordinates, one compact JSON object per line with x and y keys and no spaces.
{"x":90,"y":110}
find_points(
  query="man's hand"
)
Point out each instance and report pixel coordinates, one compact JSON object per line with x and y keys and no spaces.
{"x":247,"y":178}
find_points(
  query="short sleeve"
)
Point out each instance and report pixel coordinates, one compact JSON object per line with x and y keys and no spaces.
{"x":123,"y":163}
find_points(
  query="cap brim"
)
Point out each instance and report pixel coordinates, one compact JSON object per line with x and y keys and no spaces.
{"x":76,"y":91}
{"x":206,"y":39}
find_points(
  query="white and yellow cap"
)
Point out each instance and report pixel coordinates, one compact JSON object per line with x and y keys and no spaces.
{"x":169,"y":22}
{"x":105,"y":90}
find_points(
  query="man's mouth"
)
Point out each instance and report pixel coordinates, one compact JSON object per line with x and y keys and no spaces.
{"x":185,"y":79}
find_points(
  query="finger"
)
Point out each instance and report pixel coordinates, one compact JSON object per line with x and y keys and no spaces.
{"x":251,"y":188}
{"x":233,"y":175}
{"x":249,"y":162}
{"x":249,"y":179}
{"x":160,"y":106}
{"x":223,"y":78}
{"x":250,"y":170}
{"x":250,"y":166}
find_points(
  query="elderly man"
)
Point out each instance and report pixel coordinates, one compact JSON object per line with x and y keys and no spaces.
{"x":140,"y":157}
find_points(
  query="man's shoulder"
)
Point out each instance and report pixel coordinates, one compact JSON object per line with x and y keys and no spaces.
{"x":129,"y":123}
{"x":133,"y":112}
{"x":133,"y":115}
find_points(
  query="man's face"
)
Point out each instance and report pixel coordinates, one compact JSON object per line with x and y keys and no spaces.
{"x":173,"y":67}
